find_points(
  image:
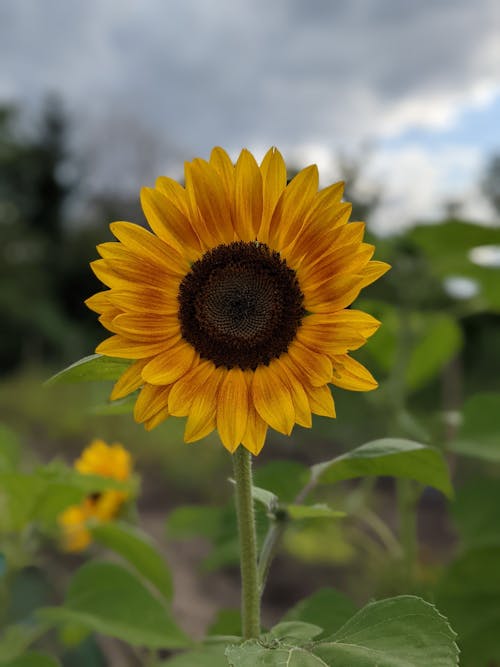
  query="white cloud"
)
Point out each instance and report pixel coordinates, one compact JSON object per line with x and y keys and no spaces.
{"x":417,"y":183}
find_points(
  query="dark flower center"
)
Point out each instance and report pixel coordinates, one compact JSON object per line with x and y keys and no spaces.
{"x":240,"y":305}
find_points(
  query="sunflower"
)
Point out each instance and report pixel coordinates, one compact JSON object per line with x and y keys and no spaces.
{"x":105,"y":460}
{"x":234,"y":309}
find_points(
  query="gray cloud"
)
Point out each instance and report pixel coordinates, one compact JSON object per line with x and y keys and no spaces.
{"x":194,"y":73}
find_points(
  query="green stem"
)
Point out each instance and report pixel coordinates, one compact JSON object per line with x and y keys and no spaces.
{"x":250,"y":594}
{"x":268,"y":551}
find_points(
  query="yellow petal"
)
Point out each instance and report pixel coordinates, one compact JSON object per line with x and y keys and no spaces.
{"x":142,"y":299}
{"x":169,"y":223}
{"x":150,"y":401}
{"x":256,"y":430}
{"x":157,"y":419}
{"x":248,"y":197}
{"x":298,"y":394}
{"x":129,"y":381}
{"x":232,"y":409}
{"x":319,"y":237}
{"x":273,"y":171}
{"x":147,"y":326}
{"x":308,"y":365}
{"x":373,"y":271}
{"x":321,"y":401}
{"x":272,"y":399}
{"x":296,"y":202}
{"x":175,"y":192}
{"x":187,"y":387}
{"x":144,"y":244}
{"x":98,"y":302}
{"x":211,"y":200}
{"x":170,"y":365}
{"x":350,"y":374}
{"x":336,"y":295}
{"x":202,"y":414}
{"x":127,"y":271}
{"x":222,"y":164}
{"x":116,"y":346}
{"x":328,"y":339}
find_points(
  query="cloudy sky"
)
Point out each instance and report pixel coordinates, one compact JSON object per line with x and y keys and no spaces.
{"x":413,"y":86}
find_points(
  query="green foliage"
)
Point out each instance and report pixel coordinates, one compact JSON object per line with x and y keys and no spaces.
{"x":469,"y":594}
{"x":476,"y":512}
{"x":447,"y":247}
{"x":479,"y":433}
{"x":399,"y":632}
{"x":32,"y":659}
{"x":95,"y":367}
{"x":227,"y":622}
{"x":110,"y":600}
{"x":9,"y":449}
{"x":435,"y":339}
{"x":327,"y":608}
{"x":393,"y":457}
{"x":137,"y":549}
{"x":41,"y":495}
{"x":17,"y":638}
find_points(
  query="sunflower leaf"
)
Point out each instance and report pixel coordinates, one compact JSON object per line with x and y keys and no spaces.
{"x":403,"y":631}
{"x":93,"y":368}
{"x":392,"y":457}
{"x":267,"y":498}
{"x":136,"y":548}
{"x":110,"y":600}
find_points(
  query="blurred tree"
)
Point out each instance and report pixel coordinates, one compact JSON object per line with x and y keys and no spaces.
{"x":491,"y":182}
{"x":33,"y":239}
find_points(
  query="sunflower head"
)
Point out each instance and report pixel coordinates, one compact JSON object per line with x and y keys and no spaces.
{"x":234,"y":308}
{"x":99,"y":458}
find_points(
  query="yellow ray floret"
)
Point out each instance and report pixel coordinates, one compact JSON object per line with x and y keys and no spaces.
{"x":111,"y":461}
{"x":235,"y":308}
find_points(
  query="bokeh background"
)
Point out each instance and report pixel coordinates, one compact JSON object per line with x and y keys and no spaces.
{"x":399,"y":99}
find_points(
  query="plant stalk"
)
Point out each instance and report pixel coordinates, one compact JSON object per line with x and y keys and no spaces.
{"x":250,"y":593}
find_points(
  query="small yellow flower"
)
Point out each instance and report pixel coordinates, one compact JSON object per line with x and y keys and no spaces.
{"x":235,"y":309}
{"x":112,"y":461}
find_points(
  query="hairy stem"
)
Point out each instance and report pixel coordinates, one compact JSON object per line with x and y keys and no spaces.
{"x":250,"y":593}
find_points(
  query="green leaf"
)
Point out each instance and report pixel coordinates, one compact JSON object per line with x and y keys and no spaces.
{"x":253,"y":652}
{"x":227,"y":622}
{"x":9,"y":449}
{"x":137,"y":548}
{"x":267,"y":498}
{"x":196,"y":520}
{"x":476,"y":512}
{"x":284,"y":478}
{"x":17,"y":638}
{"x":439,"y":341}
{"x":327,"y":607}
{"x":318,"y":511}
{"x":469,"y":595}
{"x":479,"y":433}
{"x":93,"y":368}
{"x":123,"y":406}
{"x":393,"y":457}
{"x":110,"y":600}
{"x":404,"y":631}
{"x":32,"y":659}
{"x":295,"y":631}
